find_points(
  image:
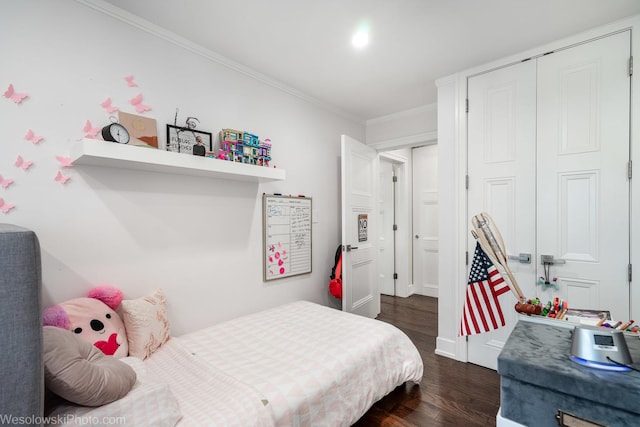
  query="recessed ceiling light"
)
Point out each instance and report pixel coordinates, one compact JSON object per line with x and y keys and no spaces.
{"x":360,"y":39}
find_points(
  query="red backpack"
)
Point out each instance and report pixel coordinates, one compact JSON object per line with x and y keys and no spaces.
{"x":335,"y":284}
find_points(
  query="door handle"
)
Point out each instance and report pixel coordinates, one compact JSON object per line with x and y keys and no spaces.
{"x":548,"y":259}
{"x":349,"y":247}
{"x":523,"y":258}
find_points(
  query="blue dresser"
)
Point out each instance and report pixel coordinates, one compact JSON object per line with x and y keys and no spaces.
{"x":538,"y":382}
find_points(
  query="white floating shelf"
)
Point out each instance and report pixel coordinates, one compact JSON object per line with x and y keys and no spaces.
{"x":109,"y":154}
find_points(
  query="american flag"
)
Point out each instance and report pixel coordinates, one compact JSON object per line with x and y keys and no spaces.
{"x":481,"y":311}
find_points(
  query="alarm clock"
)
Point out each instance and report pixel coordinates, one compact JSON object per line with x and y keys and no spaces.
{"x":600,"y":348}
{"x":115,"y":132}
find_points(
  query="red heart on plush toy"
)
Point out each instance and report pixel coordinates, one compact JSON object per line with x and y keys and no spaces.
{"x":108,"y":347}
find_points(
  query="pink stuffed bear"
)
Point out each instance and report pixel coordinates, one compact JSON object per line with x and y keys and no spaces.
{"x":94,"y":319}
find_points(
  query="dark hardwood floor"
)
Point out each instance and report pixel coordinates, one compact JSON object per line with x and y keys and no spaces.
{"x":451,"y":393}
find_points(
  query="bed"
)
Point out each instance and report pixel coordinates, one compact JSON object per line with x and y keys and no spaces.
{"x":300,"y":364}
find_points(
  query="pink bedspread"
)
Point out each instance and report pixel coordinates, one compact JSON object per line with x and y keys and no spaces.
{"x":206,"y":395}
{"x":315,"y":366}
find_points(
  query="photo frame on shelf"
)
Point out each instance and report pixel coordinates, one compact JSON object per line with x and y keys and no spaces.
{"x":143,"y":130}
{"x":188,"y":141}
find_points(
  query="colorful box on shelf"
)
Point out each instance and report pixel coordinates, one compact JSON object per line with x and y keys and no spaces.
{"x":244,"y":147}
{"x":251,"y":139}
{"x":264,"y":152}
{"x":231,"y":135}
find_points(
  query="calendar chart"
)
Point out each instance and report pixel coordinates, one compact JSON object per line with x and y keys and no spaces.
{"x":286,"y":236}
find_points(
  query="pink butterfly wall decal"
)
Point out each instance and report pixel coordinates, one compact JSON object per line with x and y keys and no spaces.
{"x":31,"y":136}
{"x":90,"y":131}
{"x":136,"y":101}
{"x":106,"y":104}
{"x":5,"y":182}
{"x":16,"y":97}
{"x":130,"y":82}
{"x":5,"y":207}
{"x":23,"y":164}
{"x":61,"y":178}
{"x":65,"y":162}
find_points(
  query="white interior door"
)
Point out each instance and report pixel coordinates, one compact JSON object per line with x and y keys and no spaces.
{"x":583,"y":185}
{"x":425,"y":219}
{"x":501,"y":153}
{"x":386,"y":216}
{"x":360,"y":292}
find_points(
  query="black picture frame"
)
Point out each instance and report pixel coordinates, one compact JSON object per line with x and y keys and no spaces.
{"x":182,"y":140}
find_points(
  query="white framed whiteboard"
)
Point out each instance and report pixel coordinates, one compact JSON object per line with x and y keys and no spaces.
{"x":286,"y":236}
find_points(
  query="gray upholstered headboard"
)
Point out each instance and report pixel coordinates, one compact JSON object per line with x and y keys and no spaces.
{"x":21,"y":375}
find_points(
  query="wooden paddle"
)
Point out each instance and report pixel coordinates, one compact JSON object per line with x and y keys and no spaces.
{"x":490,"y":239}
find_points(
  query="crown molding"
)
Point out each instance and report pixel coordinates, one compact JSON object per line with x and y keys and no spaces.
{"x":171,"y":37}
{"x":405,"y":113}
{"x":424,"y":138}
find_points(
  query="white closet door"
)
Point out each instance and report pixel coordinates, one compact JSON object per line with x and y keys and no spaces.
{"x":501,"y":156}
{"x":425,"y":220}
{"x":583,"y":188}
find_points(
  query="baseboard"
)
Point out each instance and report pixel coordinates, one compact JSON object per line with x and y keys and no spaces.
{"x":430,"y":291}
{"x":446,"y":348}
{"x":411,"y":289}
{"x":406,"y":292}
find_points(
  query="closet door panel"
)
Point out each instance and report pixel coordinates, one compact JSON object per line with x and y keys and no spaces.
{"x":583,"y":188}
{"x":501,"y":168}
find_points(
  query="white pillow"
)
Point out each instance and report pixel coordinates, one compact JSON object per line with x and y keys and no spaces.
{"x":147,"y":324}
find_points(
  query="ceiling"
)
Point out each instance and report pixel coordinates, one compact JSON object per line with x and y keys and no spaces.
{"x":306,"y":44}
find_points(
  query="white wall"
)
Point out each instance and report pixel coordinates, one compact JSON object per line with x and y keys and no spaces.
{"x":407,"y":128}
{"x":200,"y":240}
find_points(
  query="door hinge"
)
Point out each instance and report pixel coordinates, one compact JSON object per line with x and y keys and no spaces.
{"x":395,"y":276}
{"x":466,"y":182}
{"x":629,"y":272}
{"x":395,"y":227}
{"x":631,"y":66}
{"x":629,"y":169}
{"x":466,"y":107}
{"x":466,"y":258}
{"x":395,"y":178}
